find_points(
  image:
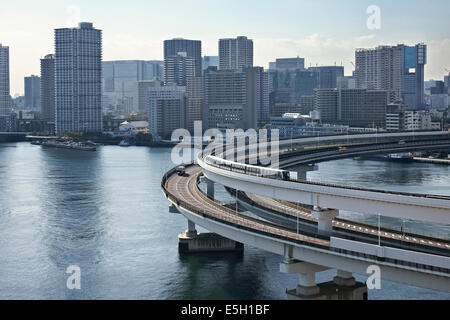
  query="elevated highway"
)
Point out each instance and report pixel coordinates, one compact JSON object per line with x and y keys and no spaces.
{"x":315,"y":246}
{"x":183,"y":192}
{"x":257,"y":180}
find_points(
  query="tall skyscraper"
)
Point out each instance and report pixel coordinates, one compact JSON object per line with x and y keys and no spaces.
{"x":193,"y":48}
{"x":48,"y":88}
{"x":398,"y":70}
{"x":32,"y":92}
{"x":234,"y":54}
{"x":177,"y":68}
{"x":5,"y":99}
{"x":78,"y":79}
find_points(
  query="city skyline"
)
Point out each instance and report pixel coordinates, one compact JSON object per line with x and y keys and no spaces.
{"x":321,"y":36}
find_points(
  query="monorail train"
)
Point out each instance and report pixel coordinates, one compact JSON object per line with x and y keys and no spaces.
{"x":248,"y":169}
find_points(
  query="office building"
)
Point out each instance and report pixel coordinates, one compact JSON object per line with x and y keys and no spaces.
{"x":327,"y":76}
{"x":32,"y":92}
{"x":234,"y":54}
{"x":177,"y":68}
{"x":5,"y":99}
{"x":226,"y":100}
{"x":290,"y":64}
{"x":48,"y":88}
{"x":78,"y":79}
{"x":167,"y":110}
{"x":352,"y":107}
{"x":236,"y":99}
{"x":193,"y":48}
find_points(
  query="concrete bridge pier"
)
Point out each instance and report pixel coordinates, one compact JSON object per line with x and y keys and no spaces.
{"x":191,"y":232}
{"x":325,"y":219}
{"x":192,"y":241}
{"x":209,"y":187}
{"x":343,"y":286}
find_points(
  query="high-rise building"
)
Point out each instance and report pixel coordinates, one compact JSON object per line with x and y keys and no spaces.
{"x":353,"y":107}
{"x":193,"y":48}
{"x":48,"y":88}
{"x":177,"y":68}
{"x":327,"y":76}
{"x":194,"y":101}
{"x":234,"y":54}
{"x":290,"y":63}
{"x":290,"y":85}
{"x":167,"y":110}
{"x":78,"y":79}
{"x":225,"y":99}
{"x":236,"y":99}
{"x":119,"y":79}
{"x":210,"y":61}
{"x":257,"y":88}
{"x":398,"y":70}
{"x":5,"y":99}
{"x":32,"y":92}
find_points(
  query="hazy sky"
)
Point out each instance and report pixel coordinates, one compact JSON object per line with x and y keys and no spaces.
{"x":324,"y":32}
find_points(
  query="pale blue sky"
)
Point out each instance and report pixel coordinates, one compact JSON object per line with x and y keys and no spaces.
{"x":324,"y":31}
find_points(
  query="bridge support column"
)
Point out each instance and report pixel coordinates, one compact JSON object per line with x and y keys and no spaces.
{"x":193,"y":242}
{"x":325,"y":219}
{"x":307,"y":287}
{"x":191,"y":232}
{"x":344,"y":278}
{"x":209,"y":187}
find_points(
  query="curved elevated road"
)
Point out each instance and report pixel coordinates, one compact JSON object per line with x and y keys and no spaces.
{"x":430,"y":208}
{"x":184,"y":193}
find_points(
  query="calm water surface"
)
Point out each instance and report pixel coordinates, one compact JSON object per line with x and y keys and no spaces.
{"x":104,"y":212}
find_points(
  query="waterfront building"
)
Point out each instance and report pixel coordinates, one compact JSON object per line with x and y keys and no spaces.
{"x":32,"y":85}
{"x":48,"y":88}
{"x":78,"y":80}
{"x":5,"y":99}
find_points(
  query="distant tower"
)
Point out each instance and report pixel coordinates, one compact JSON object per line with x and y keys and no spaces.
{"x":78,"y":79}
{"x":32,"y":92}
{"x":234,"y":54}
{"x":48,"y":88}
{"x":193,"y":48}
{"x":178,"y":68}
{"x":5,"y":99}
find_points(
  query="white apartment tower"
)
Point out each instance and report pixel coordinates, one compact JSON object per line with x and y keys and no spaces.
{"x":78,"y":79}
